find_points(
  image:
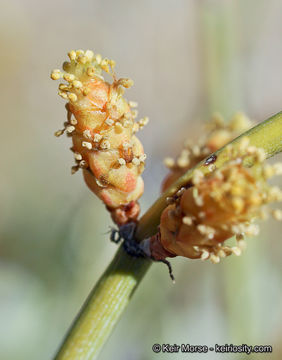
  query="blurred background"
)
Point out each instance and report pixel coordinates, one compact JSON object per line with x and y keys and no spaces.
{"x":188,"y":58}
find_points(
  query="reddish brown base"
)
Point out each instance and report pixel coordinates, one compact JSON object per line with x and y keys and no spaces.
{"x":125,"y":213}
{"x":157,"y":250}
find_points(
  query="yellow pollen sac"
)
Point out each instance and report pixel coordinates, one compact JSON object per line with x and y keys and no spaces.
{"x":77,"y":156}
{"x":70,"y":129}
{"x":142,"y":157}
{"x":87,"y":134}
{"x":73,"y":121}
{"x":110,"y":122}
{"x":72,"y":97}
{"x":77,"y":84}
{"x":121,"y":161}
{"x":105,"y":145}
{"x":135,"y":161}
{"x":277,"y":214}
{"x":118,"y":127}
{"x":133,"y":104}
{"x":87,"y":145}
{"x":72,"y":55}
{"x":63,"y":95}
{"x":56,"y":74}
{"x":97,"y":137}
{"x":127,"y":83}
{"x":68,"y":77}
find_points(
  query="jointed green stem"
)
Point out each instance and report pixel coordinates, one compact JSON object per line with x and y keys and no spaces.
{"x":112,"y":293}
{"x":103,"y":307}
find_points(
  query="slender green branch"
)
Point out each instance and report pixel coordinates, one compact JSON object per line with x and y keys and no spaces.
{"x":103,"y":307}
{"x":112,"y":293}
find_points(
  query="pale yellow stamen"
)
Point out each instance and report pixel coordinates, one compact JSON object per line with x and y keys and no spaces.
{"x":205,"y":255}
{"x":277,"y":214}
{"x":142,"y":157}
{"x":77,"y":156}
{"x":133,"y":104}
{"x":83,"y":164}
{"x":118,"y":127}
{"x":109,"y":122}
{"x":105,"y":145}
{"x":187,"y":220}
{"x":182,"y":162}
{"x":135,"y":161}
{"x":134,"y":114}
{"x":73,"y":121}
{"x":214,"y":259}
{"x":56,"y":74}
{"x":59,"y":133}
{"x":72,"y":55}
{"x":68,"y":77}
{"x":97,"y":137}
{"x":70,"y":129}
{"x":126,"y":145}
{"x":236,"y":250}
{"x":98,"y":58}
{"x":127,"y":123}
{"x":143,"y":122}
{"x":87,"y":134}
{"x":77,"y":84}
{"x":72,"y":97}
{"x":87,"y":145}
{"x":63,"y":95}
{"x":121,"y":161}
{"x":169,"y":162}
{"x":127,"y":83}
{"x":89,"y":55}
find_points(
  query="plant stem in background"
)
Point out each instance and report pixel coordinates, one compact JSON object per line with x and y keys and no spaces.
{"x":224,"y":83}
{"x":221,"y":63}
{"x":114,"y":290}
{"x":223,"y":86}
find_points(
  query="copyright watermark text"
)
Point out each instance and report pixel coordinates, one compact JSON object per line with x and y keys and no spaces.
{"x":217,"y":348}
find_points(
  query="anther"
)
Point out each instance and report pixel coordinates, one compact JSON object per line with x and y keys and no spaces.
{"x":97,"y":137}
{"x":121,"y":161}
{"x":70,"y":129}
{"x":87,"y":134}
{"x":87,"y":145}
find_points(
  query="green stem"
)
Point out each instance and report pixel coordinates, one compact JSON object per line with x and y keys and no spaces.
{"x":102,"y":309}
{"x":114,"y":290}
{"x":220,"y":40}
